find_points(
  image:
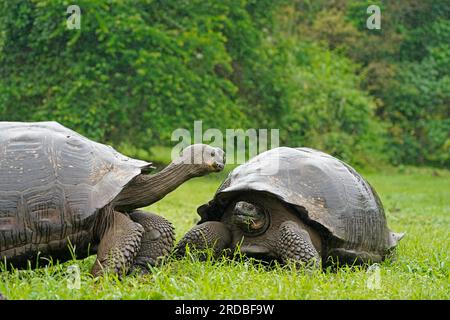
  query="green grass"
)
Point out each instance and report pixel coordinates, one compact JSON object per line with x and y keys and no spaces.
{"x":416,"y":202}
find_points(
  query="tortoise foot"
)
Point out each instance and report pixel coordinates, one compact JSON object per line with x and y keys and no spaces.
{"x":294,"y":246}
{"x":118,"y":246}
{"x":209,"y":235}
{"x":156,"y":243}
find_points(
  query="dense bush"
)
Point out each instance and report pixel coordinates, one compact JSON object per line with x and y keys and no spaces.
{"x":137,"y":70}
{"x":405,"y":67}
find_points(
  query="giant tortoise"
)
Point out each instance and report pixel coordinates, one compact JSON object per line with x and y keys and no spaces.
{"x":295,"y":204}
{"x":60,"y":192}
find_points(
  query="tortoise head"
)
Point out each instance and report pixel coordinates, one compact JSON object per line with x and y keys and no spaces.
{"x":252,"y":219}
{"x":261,"y":226}
{"x":203,"y":159}
{"x":249,"y":221}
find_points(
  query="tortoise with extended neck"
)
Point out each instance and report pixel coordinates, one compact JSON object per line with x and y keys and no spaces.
{"x":59,"y":188}
{"x":295,"y":204}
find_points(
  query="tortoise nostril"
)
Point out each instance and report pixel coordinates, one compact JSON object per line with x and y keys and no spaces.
{"x":219,"y":166}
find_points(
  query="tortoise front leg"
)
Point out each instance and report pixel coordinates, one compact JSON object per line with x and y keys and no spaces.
{"x":294,"y":245}
{"x":118,"y":246}
{"x":209,"y":235}
{"x":157,"y":241}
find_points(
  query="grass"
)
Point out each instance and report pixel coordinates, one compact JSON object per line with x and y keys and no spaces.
{"x":416,"y":202}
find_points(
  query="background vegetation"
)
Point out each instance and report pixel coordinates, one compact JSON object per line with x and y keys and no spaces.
{"x":137,"y":70}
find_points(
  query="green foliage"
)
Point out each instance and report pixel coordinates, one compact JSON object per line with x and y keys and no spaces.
{"x":325,"y":107}
{"x":419,"y":108}
{"x":133,"y":72}
{"x":405,"y":68}
{"x":137,"y":70}
{"x":418,"y":102}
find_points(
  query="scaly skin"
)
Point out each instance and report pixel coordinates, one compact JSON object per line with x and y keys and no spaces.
{"x":211,"y":234}
{"x":118,"y":246}
{"x":294,"y":244}
{"x":157,"y":241}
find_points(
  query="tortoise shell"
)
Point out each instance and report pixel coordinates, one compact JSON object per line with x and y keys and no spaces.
{"x":53,"y":182}
{"x":325,"y":192}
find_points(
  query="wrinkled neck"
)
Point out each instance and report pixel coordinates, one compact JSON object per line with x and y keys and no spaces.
{"x":144,"y":190}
